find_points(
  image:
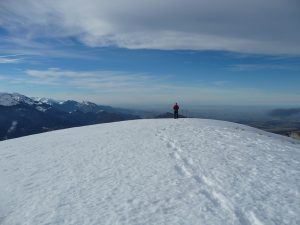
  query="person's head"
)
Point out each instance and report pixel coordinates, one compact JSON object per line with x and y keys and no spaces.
{"x":176,"y":103}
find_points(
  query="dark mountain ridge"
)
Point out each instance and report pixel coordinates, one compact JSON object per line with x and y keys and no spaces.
{"x":20,"y":115}
{"x":168,"y":115}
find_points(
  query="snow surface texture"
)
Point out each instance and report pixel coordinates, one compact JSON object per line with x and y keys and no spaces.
{"x":164,"y":171}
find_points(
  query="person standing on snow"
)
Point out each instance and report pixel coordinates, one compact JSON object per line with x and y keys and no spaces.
{"x":176,"y":108}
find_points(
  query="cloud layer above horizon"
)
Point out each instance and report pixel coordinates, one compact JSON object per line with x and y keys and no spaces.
{"x":152,"y":52}
{"x":256,"y":26}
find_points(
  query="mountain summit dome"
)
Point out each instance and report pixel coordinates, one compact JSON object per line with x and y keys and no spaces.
{"x":160,"y":171}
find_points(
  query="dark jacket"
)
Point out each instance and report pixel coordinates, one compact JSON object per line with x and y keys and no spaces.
{"x":176,"y":107}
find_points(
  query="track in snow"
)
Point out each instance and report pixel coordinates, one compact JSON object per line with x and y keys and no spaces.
{"x":184,"y":167}
{"x":186,"y":171}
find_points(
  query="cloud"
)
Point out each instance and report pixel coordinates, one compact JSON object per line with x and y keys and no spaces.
{"x":13,"y":44}
{"x":105,"y":81}
{"x":92,"y":81}
{"x":267,"y":27}
{"x":221,"y":83}
{"x":121,"y":88}
{"x":10,"y":59}
{"x":252,"y":67}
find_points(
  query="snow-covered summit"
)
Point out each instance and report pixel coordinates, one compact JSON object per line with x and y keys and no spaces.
{"x":42,"y":103}
{"x":164,"y":171}
{"x":11,"y":99}
{"x":7,"y":99}
{"x":88,"y":103}
{"x":48,"y":101}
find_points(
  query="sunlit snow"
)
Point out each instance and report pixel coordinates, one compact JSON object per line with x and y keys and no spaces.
{"x":164,"y":171}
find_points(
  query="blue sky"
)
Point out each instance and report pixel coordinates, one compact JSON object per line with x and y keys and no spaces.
{"x":129,"y":57}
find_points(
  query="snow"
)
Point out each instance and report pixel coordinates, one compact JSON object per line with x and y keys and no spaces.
{"x":164,"y":171}
{"x":87,"y":103}
{"x":13,"y":126}
{"x":41,"y":109}
{"x":48,"y":101}
{"x":7,"y":99}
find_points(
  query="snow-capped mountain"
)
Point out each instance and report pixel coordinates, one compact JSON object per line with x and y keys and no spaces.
{"x":20,"y":115}
{"x":162,"y":171}
{"x":18,"y":100}
{"x":48,"y":101}
{"x":71,"y":106}
{"x":7,"y":99}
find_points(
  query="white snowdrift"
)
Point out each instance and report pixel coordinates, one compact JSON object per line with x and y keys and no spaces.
{"x":186,"y":171}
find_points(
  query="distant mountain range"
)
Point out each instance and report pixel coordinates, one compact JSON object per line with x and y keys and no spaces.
{"x":284,"y":121}
{"x":168,"y":115}
{"x":21,"y":115}
{"x":289,"y":114}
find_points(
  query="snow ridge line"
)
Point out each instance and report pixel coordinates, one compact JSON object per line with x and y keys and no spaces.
{"x":184,"y":167}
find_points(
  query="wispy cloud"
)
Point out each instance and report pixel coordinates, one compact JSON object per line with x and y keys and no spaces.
{"x":250,"y":26}
{"x":92,"y":80}
{"x":251,"y":67}
{"x":121,"y":88}
{"x":55,"y":48}
{"x":10,"y":59}
{"x":221,"y":83}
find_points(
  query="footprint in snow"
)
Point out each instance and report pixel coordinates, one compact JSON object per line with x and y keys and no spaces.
{"x":175,"y":155}
{"x":183,"y":171}
{"x":174,"y":147}
{"x":187,"y":161}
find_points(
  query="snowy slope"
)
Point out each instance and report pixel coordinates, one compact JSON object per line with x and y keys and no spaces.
{"x":164,"y":171}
